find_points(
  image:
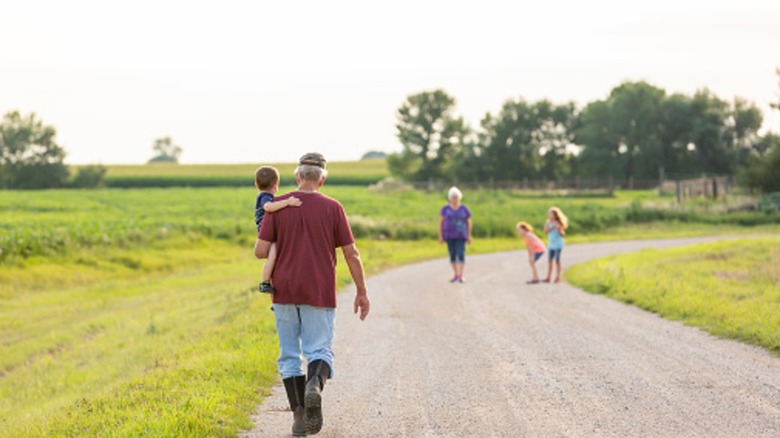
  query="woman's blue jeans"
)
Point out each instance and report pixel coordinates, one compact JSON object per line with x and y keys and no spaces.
{"x":304,"y":332}
{"x":457,"y":248}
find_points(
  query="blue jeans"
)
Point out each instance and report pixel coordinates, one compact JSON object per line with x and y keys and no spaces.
{"x":457,"y":248}
{"x":304,"y":332}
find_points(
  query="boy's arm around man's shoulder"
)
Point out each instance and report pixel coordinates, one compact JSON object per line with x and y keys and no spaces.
{"x":274,"y":206}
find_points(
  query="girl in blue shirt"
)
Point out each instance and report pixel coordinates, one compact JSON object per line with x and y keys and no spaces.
{"x":555,"y":228}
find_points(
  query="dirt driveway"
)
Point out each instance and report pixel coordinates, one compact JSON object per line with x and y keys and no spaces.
{"x":497,"y":357}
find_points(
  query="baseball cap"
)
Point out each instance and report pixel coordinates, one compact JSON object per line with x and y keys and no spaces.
{"x":313,"y":159}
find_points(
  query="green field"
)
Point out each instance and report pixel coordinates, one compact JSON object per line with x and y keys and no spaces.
{"x":56,"y":222}
{"x":234,"y":175}
{"x":131,"y":312}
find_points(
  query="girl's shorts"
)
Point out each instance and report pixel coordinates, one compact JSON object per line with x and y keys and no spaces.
{"x":538,"y":255}
{"x":554,"y":254}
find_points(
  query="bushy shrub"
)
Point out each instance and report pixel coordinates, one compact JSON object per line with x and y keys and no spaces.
{"x":89,"y":177}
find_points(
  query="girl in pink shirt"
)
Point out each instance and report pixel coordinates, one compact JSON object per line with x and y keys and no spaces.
{"x":533,"y":244}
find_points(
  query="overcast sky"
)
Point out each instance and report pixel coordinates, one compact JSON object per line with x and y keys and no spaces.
{"x":260,"y":82}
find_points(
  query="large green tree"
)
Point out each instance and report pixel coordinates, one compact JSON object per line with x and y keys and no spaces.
{"x":721,"y":135}
{"x":675,"y":132}
{"x":503,"y":149}
{"x":554,"y":136}
{"x":524,"y":140}
{"x":742,"y":127}
{"x":29,"y":156}
{"x":620,"y":135}
{"x":639,"y":130}
{"x":430,"y":134}
{"x":762,"y":170}
{"x":599,"y":141}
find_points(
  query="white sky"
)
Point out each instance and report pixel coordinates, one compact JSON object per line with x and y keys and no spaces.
{"x":259,"y":82}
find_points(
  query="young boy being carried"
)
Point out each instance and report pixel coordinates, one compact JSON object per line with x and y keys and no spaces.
{"x":267,"y":183}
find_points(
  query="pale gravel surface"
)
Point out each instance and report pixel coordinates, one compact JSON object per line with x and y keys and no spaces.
{"x":497,"y":357}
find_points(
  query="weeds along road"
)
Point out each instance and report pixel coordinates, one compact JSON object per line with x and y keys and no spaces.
{"x":497,"y":357}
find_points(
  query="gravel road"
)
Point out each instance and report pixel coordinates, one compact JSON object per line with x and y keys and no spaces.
{"x":497,"y":357}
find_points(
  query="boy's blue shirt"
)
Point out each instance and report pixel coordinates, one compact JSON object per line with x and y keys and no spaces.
{"x":262,"y":199}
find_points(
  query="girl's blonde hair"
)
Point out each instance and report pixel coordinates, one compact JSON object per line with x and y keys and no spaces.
{"x":525,"y":225}
{"x":560,"y":217}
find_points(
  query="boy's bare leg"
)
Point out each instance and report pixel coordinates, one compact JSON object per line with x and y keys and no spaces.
{"x":268,"y":269}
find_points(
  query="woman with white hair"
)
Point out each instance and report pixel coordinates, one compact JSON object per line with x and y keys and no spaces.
{"x":455,"y":229}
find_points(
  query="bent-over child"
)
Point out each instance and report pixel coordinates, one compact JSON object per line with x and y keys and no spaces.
{"x":555,"y":228}
{"x":267,"y":184}
{"x":534,"y":245}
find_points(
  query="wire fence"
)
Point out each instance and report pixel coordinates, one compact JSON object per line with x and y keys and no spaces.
{"x":593,"y":184}
{"x":682,"y":186}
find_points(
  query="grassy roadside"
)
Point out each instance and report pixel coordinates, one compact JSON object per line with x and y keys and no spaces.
{"x":731,"y":289}
{"x":168,"y":345}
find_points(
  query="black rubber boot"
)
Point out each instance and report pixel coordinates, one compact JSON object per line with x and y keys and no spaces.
{"x":319,"y":371}
{"x":296,"y":389}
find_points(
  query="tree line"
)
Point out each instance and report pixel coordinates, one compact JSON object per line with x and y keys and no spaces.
{"x":30,"y":157}
{"x":639,"y":131}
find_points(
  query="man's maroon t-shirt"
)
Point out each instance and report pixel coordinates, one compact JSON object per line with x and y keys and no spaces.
{"x":306,"y":240}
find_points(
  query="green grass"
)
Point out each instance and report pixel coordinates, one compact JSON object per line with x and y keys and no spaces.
{"x":35,"y":223}
{"x":169,"y":345}
{"x":731,"y":289}
{"x":132,"y":312}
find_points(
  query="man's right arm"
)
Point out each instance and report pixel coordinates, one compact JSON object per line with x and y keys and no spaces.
{"x":261,"y":248}
{"x":355,"y":264}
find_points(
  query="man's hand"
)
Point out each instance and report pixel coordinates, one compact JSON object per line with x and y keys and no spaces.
{"x":362,"y":304}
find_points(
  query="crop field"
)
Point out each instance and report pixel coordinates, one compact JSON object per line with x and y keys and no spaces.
{"x":130,"y":312}
{"x":234,"y":175}
{"x":55,"y":222}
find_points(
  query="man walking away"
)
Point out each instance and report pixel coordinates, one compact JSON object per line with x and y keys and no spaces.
{"x":304,"y":278}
